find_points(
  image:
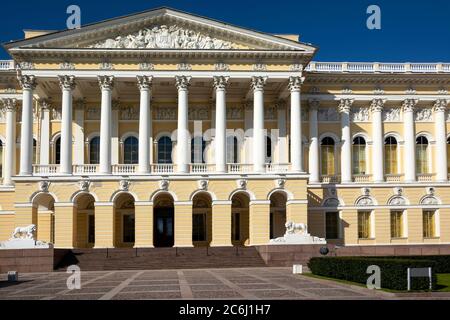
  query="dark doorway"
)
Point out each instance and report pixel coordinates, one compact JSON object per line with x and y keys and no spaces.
{"x":163,"y":227}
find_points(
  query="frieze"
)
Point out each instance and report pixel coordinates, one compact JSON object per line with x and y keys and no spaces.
{"x":327,"y":115}
{"x":165,"y":37}
{"x":423,"y":115}
{"x":391,"y":114}
{"x":165,"y":113}
{"x":360,"y":114}
{"x":129,"y":113}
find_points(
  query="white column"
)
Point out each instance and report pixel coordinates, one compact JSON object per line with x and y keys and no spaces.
{"x":145,"y":123}
{"x":67,"y":84}
{"x":247,"y":156}
{"x":295,"y":85}
{"x":410,"y":140}
{"x":183,"y":136}
{"x":259,"y":139}
{"x":220,"y":141}
{"x":79,"y":142}
{"x":346,"y":144}
{"x":377,"y":138}
{"x":10,"y":146}
{"x":440,"y":107}
{"x":282,"y":150}
{"x":115,"y":143}
{"x":44,"y":142}
{"x":314,"y":171}
{"x":106,"y":85}
{"x":28,"y":84}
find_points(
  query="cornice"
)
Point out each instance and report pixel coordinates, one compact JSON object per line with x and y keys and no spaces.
{"x":375,"y":79}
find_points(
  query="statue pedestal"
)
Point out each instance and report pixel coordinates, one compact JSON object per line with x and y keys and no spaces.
{"x":297,"y":238}
{"x":24,"y":244}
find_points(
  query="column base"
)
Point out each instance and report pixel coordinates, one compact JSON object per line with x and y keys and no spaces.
{"x":143,"y":247}
{"x":183,"y":246}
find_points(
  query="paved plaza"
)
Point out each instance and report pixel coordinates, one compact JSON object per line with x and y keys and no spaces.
{"x":221,"y":284}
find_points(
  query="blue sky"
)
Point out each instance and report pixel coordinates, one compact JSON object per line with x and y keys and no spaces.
{"x":412,"y":31}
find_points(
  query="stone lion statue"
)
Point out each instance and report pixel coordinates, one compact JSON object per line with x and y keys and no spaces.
{"x":293,"y":228}
{"x":24,"y":232}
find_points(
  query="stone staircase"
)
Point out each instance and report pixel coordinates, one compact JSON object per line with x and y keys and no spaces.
{"x":160,"y":258}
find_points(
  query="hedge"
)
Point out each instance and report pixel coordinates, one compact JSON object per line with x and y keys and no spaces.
{"x":442,"y":262}
{"x":393,"y":270}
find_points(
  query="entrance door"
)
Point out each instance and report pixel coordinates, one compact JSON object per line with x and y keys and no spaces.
{"x":164,"y":228}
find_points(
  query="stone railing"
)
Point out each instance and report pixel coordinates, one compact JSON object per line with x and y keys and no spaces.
{"x":51,"y":169}
{"x":362,"y":178}
{"x":163,"y":168}
{"x":330,"y":179}
{"x":277,"y":168}
{"x":375,"y":67}
{"x":425,"y":177}
{"x":85,"y":169}
{"x":125,"y":169}
{"x":7,"y":65}
{"x":240,"y":168}
{"x":394,"y":177}
{"x":202,"y":168}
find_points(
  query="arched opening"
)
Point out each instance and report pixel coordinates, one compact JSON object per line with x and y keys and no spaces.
{"x":240,"y":219}
{"x":85,"y":221}
{"x":94,"y":150}
{"x":277,"y":215}
{"x":165,"y":150}
{"x":57,"y":153}
{"x":44,"y":217}
{"x":390,"y":155}
{"x":327,"y":156}
{"x":202,"y":220}
{"x":359,"y":156}
{"x":124,"y":221}
{"x":198,"y":145}
{"x":164,"y":221}
{"x":131,"y":150}
{"x":232,"y":149}
{"x":422,"y":155}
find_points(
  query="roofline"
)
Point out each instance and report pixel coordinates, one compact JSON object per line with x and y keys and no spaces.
{"x":8,"y":45}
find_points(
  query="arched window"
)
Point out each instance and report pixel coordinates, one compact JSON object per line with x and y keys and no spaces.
{"x":198,"y":146}
{"x":390,"y":155}
{"x":94,"y":150}
{"x":34,"y":151}
{"x":232,"y":149}
{"x":359,"y":155}
{"x":422,"y":155}
{"x":58,"y":150}
{"x":164,"y":150}
{"x":131,"y":150}
{"x":268,"y":150}
{"x":327,"y":156}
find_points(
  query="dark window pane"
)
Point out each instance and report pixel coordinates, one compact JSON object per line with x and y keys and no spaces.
{"x":128,"y":228}
{"x":165,"y":150}
{"x":331,"y":225}
{"x":131,"y":151}
{"x":94,"y":151}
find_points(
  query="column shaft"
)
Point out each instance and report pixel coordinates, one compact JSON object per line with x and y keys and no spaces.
{"x":410,"y":140}
{"x":183,"y":136}
{"x":106,"y":84}
{"x":221,"y":124}
{"x":259,"y":139}
{"x":441,"y":140}
{"x":145,"y":124}
{"x":377,"y":138}
{"x":346,"y":147}
{"x":44,"y":143}
{"x":314,"y":143}
{"x":296,"y":124}
{"x":26,"y":137}
{"x":10,"y":147}
{"x":67,"y":85}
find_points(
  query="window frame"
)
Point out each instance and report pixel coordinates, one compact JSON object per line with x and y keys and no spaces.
{"x":335,"y":156}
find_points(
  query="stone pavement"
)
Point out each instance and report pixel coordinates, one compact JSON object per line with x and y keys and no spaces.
{"x":229,"y":284}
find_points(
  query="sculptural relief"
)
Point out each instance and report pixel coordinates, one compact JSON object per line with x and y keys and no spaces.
{"x":165,"y":37}
{"x":424,"y":115}
{"x":327,"y":115}
{"x":360,"y":114}
{"x":391,"y":114}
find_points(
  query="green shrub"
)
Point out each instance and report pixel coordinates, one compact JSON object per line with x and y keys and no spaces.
{"x":393,"y":270}
{"x":442,"y":262}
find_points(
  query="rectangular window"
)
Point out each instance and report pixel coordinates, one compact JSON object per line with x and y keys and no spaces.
{"x":397,"y":224}
{"x":91,"y":228}
{"x":429,"y":224}
{"x":236,"y":226}
{"x":328,"y":160}
{"x":364,"y":225}
{"x":332,"y":225}
{"x":390,"y":151}
{"x":359,"y":159}
{"x":199,"y":227}
{"x":128,"y":228}
{"x":421,"y":159}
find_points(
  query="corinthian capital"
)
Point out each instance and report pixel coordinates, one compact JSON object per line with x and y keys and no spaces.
{"x":106,"y":82}
{"x":314,"y":104}
{"x":345,"y":105}
{"x":377,"y":105}
{"x":66,"y":82}
{"x":258,"y":83}
{"x":221,"y":82}
{"x":145,"y":82}
{"x":182,"y":82}
{"x":295,"y":83}
{"x":27,"y":82}
{"x":9,"y":104}
{"x":440,"y":105}
{"x":409,"y":105}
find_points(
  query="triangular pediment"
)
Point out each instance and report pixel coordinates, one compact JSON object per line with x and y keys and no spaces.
{"x":162,"y":29}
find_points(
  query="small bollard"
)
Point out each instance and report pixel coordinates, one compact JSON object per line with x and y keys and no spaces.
{"x":13,"y":276}
{"x":297,"y":269}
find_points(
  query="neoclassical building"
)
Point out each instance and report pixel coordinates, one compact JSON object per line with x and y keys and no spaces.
{"x":164,"y":129}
